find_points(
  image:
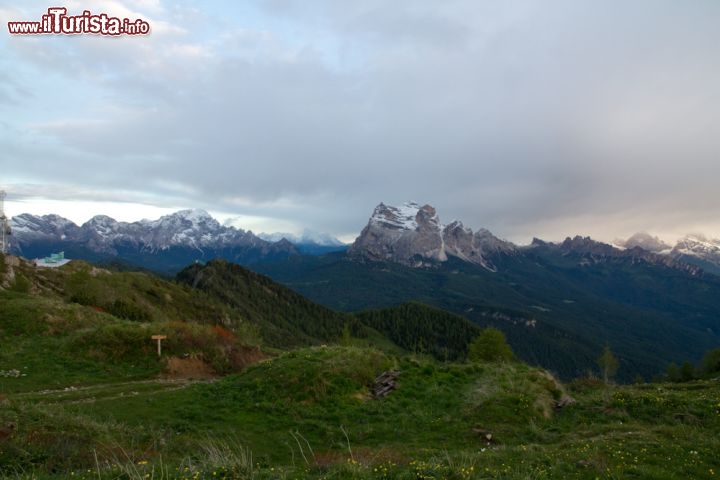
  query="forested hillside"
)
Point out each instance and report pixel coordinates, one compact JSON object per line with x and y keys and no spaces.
{"x":557,"y":309}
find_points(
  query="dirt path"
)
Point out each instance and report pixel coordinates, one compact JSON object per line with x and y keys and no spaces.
{"x":108,"y":391}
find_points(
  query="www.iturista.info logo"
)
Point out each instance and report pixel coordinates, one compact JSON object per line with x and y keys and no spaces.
{"x":58,"y":22}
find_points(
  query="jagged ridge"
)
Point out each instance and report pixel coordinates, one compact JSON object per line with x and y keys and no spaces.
{"x":179,"y":238}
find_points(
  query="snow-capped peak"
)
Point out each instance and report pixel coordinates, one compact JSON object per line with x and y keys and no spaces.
{"x":697,"y":245}
{"x":102,"y":225}
{"x":194,"y":215}
{"x":195,"y":219}
{"x":404,"y":217}
{"x":44,"y":224}
{"x":101,"y":220}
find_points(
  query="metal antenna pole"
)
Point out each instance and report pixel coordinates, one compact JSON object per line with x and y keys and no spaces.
{"x":4,"y":225}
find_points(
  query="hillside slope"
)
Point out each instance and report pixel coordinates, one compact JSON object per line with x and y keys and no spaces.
{"x":557,"y":307}
{"x":219,"y":294}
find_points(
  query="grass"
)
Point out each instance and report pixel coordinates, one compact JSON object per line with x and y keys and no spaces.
{"x":308,"y":414}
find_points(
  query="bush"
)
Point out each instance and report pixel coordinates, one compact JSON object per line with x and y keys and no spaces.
{"x":114,"y":343}
{"x":129,"y":311}
{"x":212,"y":343}
{"x":490,"y":346}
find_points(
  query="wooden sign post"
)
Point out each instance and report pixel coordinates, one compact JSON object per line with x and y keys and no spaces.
{"x":159,"y":339}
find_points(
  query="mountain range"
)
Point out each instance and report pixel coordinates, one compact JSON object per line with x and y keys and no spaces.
{"x":165,"y":245}
{"x":409,"y":234}
{"x":413,"y":235}
{"x":558,"y":303}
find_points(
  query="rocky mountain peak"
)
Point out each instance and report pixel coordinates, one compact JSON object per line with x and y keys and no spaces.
{"x":42,"y":225}
{"x":587,"y":245}
{"x":101,"y":224}
{"x":537,"y":242}
{"x":456,"y":225}
{"x":101,"y":220}
{"x":413,"y":235}
{"x":697,"y":244}
{"x":427,"y":218}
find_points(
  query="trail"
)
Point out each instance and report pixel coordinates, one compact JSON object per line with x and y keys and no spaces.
{"x":107,"y":391}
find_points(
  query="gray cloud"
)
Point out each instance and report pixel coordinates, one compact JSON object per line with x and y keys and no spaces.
{"x":524,"y":117}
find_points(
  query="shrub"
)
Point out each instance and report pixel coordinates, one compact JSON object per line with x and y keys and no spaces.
{"x":129,"y":311}
{"x":114,"y":342}
{"x":490,"y":346}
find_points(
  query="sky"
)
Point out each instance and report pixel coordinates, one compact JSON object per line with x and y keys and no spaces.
{"x":532,"y":118}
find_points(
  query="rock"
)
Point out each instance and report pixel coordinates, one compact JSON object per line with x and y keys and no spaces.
{"x":565,"y":401}
{"x":385,"y":383}
{"x":486,"y":435}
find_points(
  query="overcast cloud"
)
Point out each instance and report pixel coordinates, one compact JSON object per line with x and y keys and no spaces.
{"x":530,"y":117}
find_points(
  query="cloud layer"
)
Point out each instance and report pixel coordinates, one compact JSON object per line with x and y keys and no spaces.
{"x":525,"y":117}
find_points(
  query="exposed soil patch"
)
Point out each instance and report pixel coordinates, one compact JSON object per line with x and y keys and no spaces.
{"x":194,"y":367}
{"x":187,"y":368}
{"x":242,"y":357}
